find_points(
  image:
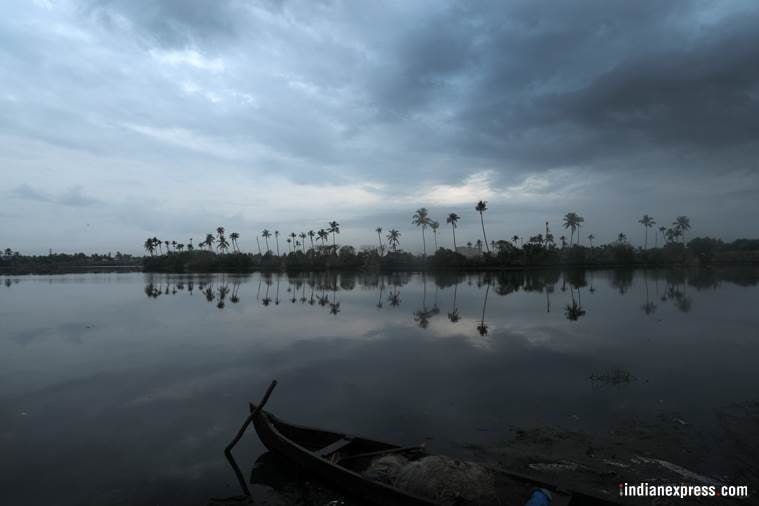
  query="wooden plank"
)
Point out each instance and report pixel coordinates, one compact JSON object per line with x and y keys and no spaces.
{"x":330,"y":449}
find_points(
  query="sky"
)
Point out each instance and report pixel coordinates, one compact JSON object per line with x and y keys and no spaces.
{"x":125,"y":119}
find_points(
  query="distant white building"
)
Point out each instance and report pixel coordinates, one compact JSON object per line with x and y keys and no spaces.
{"x":468,"y":252}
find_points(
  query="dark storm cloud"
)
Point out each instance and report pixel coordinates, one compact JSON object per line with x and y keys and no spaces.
{"x":240,"y":111}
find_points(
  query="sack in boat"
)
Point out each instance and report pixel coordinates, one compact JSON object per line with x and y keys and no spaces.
{"x":442,"y":479}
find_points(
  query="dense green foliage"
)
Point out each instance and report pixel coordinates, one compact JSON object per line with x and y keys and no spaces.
{"x":14,"y":262}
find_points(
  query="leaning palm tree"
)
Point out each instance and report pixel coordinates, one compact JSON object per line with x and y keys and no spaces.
{"x":266,"y":234}
{"x":394,"y":238}
{"x":647,"y":223}
{"x":421,"y":219}
{"x":682,"y":225}
{"x":334,"y":228}
{"x":590,"y":239}
{"x":481,"y":207}
{"x":276,"y":239}
{"x":379,"y":237}
{"x":303,"y":236}
{"x":434,"y":225}
{"x":453,"y":219}
{"x":233,"y":237}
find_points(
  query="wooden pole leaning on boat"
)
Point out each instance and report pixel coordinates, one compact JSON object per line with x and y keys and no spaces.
{"x":250,"y":418}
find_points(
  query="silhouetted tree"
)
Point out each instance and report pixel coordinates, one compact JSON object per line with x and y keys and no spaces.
{"x":453,"y":219}
{"x":421,"y":219}
{"x":394,"y":238}
{"x":481,"y":207}
{"x":647,"y":223}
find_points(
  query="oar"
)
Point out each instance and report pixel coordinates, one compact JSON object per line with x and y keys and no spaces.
{"x":228,"y":449}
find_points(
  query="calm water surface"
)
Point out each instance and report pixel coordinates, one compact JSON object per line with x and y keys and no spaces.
{"x":124,"y":388}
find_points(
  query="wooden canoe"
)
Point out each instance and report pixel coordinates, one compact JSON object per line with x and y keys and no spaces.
{"x":339,"y":458}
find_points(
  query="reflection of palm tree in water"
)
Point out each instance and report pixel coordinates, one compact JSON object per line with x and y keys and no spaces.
{"x":482,"y":328}
{"x":574,"y":311}
{"x":234,"y":298}
{"x":591,"y":289}
{"x":453,"y":316}
{"x":334,"y":306}
{"x":276,"y":296}
{"x":303,"y":293}
{"x":394,"y":298}
{"x":382,"y":289}
{"x":267,"y":300}
{"x":649,"y":307}
{"x":422,"y":316}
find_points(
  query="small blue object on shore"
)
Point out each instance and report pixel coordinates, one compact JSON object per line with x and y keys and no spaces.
{"x":539,"y":497}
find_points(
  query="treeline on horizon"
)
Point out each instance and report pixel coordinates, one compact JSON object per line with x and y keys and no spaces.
{"x":319,"y":250}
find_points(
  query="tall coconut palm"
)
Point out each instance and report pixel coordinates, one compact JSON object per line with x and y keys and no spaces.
{"x":515,"y":239}
{"x":149,"y":247}
{"x":210,"y":239}
{"x":233,"y":237}
{"x":276,"y":239}
{"x":334,"y":228}
{"x":394,"y":238}
{"x":573,"y":222}
{"x":647,"y":223}
{"x":563,"y":240}
{"x":289,"y":242}
{"x":222,"y":244}
{"x":323,"y":235}
{"x":453,"y":219}
{"x":311,"y":235}
{"x":622,"y":237}
{"x":481,"y":207}
{"x":434,"y":225}
{"x":303,"y":236}
{"x":590,"y":239}
{"x":682,"y":225}
{"x":662,"y":231}
{"x":266,"y":234}
{"x":421,"y":219}
{"x":220,"y":230}
{"x":379,"y":238}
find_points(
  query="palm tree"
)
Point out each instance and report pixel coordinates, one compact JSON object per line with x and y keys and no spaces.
{"x":453,"y":219}
{"x":479,"y":245}
{"x":481,"y":207}
{"x":434,"y":225}
{"x":289,"y":241}
{"x":222,"y":245}
{"x":234,"y":236}
{"x":276,"y":239}
{"x":647,"y":223}
{"x":421,"y":219}
{"x":258,"y":243}
{"x":590,"y":239}
{"x":334,"y":228}
{"x":682,"y":225}
{"x":621,"y":237}
{"x":311,"y":235}
{"x":563,"y":240}
{"x":266,"y":234}
{"x":573,"y":222}
{"x":394,"y":238}
{"x":515,"y":239}
{"x":303,"y":240}
{"x":149,"y":247}
{"x":220,"y":230}
{"x":323,"y":235}
{"x":663,"y":231}
{"x":294,"y":236}
{"x":379,"y":237}
{"x":210,"y":239}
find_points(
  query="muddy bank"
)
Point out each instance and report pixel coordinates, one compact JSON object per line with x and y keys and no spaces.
{"x":666,"y":450}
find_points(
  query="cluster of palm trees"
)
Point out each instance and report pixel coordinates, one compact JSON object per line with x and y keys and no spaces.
{"x":421,"y":219}
{"x":154,"y":244}
{"x":297,"y":241}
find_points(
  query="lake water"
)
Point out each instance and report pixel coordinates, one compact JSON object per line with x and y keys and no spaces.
{"x":125,"y":388}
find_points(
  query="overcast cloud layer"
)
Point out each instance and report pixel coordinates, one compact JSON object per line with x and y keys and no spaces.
{"x":122,"y":119}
